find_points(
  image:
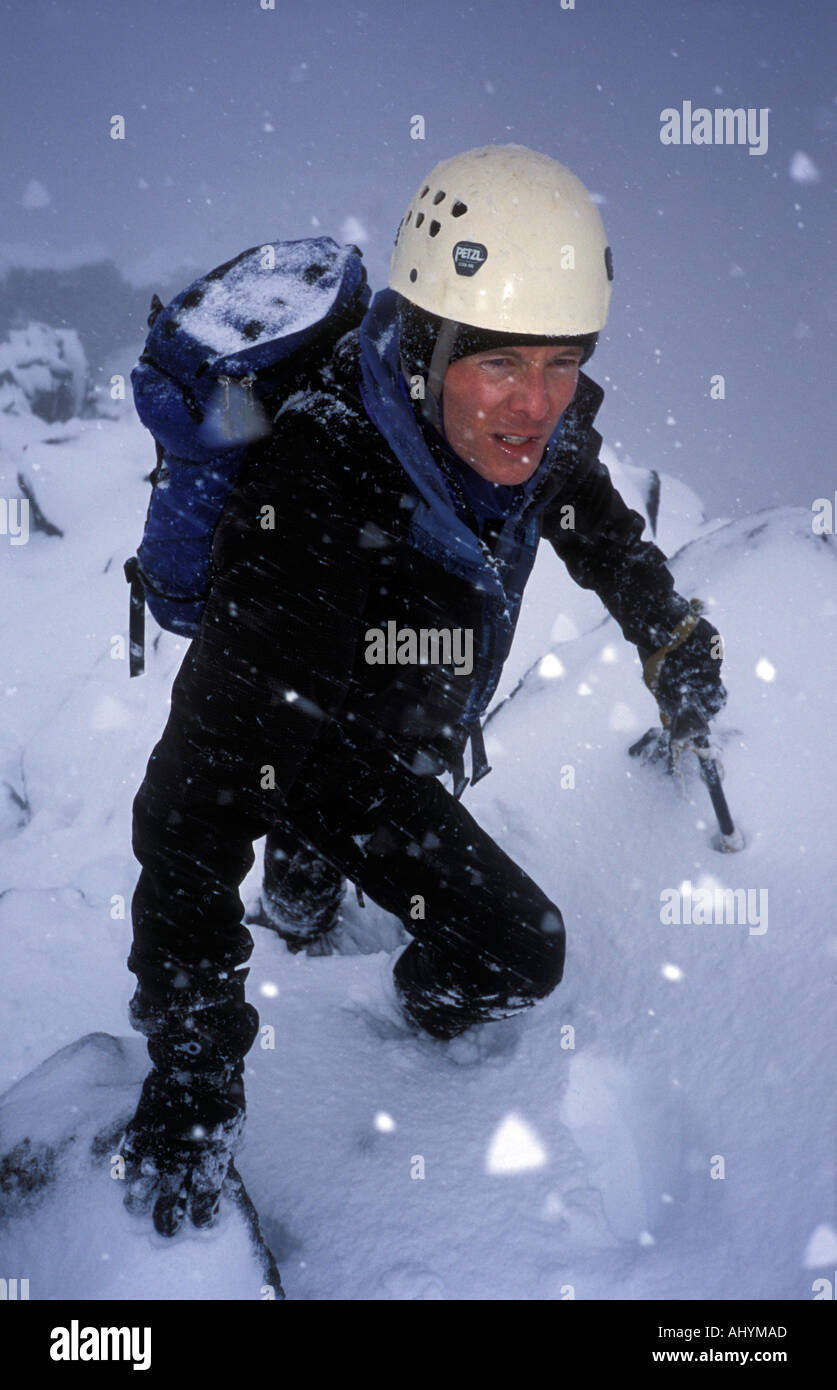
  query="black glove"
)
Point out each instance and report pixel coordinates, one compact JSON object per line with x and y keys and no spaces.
{"x":180,"y":1143}
{"x":690,"y":676}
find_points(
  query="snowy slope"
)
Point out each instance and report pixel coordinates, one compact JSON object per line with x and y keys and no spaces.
{"x":548,"y":1167}
{"x":62,"y":1223}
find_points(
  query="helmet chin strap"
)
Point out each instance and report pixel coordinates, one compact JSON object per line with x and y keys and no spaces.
{"x":431,"y":405}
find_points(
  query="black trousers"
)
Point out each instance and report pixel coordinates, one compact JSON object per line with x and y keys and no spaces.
{"x":487,"y":942}
{"x":301,"y":891}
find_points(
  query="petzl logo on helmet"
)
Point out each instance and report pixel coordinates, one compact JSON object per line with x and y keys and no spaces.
{"x":468,"y":256}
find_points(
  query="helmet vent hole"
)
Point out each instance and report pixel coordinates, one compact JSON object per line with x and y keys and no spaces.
{"x":419,"y":218}
{"x":458,"y":208}
{"x":434,"y":228}
{"x":424,"y":192}
{"x":438,"y":198}
{"x":413,"y":276}
{"x":407,"y":218}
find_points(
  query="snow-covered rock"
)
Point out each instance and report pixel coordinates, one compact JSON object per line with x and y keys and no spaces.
{"x":43,"y":370}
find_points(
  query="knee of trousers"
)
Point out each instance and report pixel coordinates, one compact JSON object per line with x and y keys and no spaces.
{"x":531,"y":958}
{"x":511,"y":960}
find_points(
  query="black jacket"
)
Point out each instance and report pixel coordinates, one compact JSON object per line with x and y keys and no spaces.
{"x":282,"y":646}
{"x":311,"y":553}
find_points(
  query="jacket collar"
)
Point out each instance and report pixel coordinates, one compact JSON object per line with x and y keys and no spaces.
{"x":395,"y":418}
{"x":392,"y":413}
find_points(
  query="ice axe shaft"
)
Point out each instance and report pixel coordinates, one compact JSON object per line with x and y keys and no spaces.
{"x":712,"y":780}
{"x":689,"y":727}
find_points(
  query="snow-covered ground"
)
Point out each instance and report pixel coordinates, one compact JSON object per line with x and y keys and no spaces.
{"x":662,"y":1127}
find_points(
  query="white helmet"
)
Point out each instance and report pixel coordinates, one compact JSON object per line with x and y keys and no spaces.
{"x":507,"y":240}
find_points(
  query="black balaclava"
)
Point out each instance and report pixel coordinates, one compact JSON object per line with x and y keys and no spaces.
{"x":429,"y":344}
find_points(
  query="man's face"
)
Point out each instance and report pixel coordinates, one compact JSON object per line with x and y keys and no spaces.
{"x":517,"y":391}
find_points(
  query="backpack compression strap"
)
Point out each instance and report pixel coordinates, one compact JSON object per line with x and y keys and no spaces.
{"x":136,"y":618}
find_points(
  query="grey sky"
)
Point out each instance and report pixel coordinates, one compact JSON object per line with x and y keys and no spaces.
{"x":244,"y":125}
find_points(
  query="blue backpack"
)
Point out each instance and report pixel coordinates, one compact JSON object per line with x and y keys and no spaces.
{"x":218,"y":362}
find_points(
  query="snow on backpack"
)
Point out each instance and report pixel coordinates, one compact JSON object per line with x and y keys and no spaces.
{"x":218,"y":362}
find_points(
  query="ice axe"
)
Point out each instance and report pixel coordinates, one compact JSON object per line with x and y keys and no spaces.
{"x":689,"y":730}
